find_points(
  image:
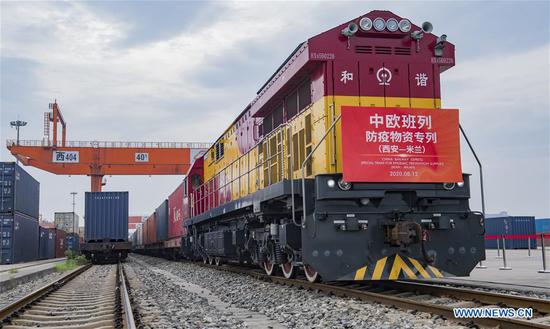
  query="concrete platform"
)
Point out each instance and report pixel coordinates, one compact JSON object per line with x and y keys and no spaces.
{"x":14,"y":274}
{"x":9,"y":267}
{"x":523,"y":276}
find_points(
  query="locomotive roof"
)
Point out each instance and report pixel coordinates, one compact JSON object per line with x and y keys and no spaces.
{"x":300,"y":56}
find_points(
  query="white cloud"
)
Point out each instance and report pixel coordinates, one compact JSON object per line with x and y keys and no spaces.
{"x":504,"y":103}
{"x":513,"y":81}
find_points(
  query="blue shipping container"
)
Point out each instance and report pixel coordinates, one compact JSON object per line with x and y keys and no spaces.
{"x":510,"y":225}
{"x":73,"y":242}
{"x":18,"y":238}
{"x":161,"y":214}
{"x":542,"y":225}
{"x":46,"y":244}
{"x":106,"y":216}
{"x":20,"y":192}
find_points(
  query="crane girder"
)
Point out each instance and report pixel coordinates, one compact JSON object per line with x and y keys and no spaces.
{"x":96,"y":159}
{"x":99,"y":161}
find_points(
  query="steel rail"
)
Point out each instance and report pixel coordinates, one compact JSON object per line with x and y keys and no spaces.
{"x":355,"y":290}
{"x":129,"y":321}
{"x":16,"y":306}
{"x":486,"y":297}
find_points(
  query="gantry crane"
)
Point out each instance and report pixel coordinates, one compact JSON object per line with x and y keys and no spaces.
{"x":97,"y":159}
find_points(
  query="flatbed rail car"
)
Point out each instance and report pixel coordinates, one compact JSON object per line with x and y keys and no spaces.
{"x":344,"y":165}
{"x":106,"y":227}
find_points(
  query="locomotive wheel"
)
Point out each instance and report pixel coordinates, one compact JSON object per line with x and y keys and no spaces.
{"x":205,"y":260}
{"x":210,"y":260}
{"x":218,"y":261}
{"x":269,"y":267}
{"x":311,"y":274}
{"x":289,"y":270}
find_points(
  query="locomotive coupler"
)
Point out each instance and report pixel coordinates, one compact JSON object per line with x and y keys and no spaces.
{"x":403,"y":233}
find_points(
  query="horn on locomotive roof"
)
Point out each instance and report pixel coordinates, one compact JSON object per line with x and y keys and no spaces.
{"x":439,"y":45}
{"x":427,"y":27}
{"x":350,"y":30}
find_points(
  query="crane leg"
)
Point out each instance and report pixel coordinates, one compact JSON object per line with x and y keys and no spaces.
{"x":96,"y":183}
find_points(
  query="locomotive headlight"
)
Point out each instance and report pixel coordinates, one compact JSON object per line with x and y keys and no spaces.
{"x":392,"y":25}
{"x":404,"y":25}
{"x":379,"y":24}
{"x":343,"y":185}
{"x":331,"y":183}
{"x":364,"y":201}
{"x":449,"y":186}
{"x":460,"y":184}
{"x":365,"y":23}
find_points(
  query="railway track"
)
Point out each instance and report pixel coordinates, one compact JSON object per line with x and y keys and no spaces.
{"x":91,"y":296}
{"x":425,"y":297}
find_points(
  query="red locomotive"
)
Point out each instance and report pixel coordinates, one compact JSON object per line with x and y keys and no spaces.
{"x":344,"y":165}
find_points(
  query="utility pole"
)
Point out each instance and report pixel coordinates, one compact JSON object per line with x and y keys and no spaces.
{"x":75,"y":230}
{"x":18,"y":124}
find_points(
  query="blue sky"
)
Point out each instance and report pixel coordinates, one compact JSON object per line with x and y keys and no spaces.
{"x":181,"y":71}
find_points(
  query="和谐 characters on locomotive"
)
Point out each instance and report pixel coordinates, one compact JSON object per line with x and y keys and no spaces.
{"x":249,"y":202}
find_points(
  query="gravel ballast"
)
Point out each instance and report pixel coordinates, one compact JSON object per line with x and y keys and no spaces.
{"x":166,"y":301}
{"x":289,"y":306}
{"x":9,"y":296}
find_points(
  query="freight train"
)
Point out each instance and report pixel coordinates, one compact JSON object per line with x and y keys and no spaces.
{"x":344,"y":166}
{"x":106,"y":227}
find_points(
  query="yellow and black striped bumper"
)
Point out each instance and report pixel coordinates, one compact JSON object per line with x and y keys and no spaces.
{"x":397,"y":267}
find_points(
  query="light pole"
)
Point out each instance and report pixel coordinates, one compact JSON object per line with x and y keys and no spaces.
{"x":18,"y":124}
{"x":74,"y":196}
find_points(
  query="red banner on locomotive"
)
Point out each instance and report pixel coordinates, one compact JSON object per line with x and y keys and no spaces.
{"x":400,"y":145}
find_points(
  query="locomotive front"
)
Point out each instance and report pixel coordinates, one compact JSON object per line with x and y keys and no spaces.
{"x":390,"y":200}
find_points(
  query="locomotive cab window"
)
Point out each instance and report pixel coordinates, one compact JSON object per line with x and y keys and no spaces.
{"x":298,"y":100}
{"x":304,"y":95}
{"x":195,"y":181}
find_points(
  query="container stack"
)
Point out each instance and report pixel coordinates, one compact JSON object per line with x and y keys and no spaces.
{"x":542,"y":226}
{"x":515,"y":229}
{"x":134,"y":222}
{"x":47,"y":243}
{"x":66,"y":221}
{"x":19,"y":205}
{"x":73,"y":242}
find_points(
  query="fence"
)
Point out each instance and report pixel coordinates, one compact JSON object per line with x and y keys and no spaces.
{"x":501,"y":247}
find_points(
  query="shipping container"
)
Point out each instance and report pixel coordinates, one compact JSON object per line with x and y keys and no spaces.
{"x":46,"y":247}
{"x":151,"y":230}
{"x":60,"y":243}
{"x":18,"y":238}
{"x":66,"y":221}
{"x":46,"y":224}
{"x":175,"y":213}
{"x":139,"y":235}
{"x":145,"y":231}
{"x":20,"y":192}
{"x":161,"y":217}
{"x":542,"y":225}
{"x":73,"y":242}
{"x":134,"y":221}
{"x":516,"y":227}
{"x":106,"y":216}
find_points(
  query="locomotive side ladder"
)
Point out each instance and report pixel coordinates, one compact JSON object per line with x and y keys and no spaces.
{"x":97,"y":159}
